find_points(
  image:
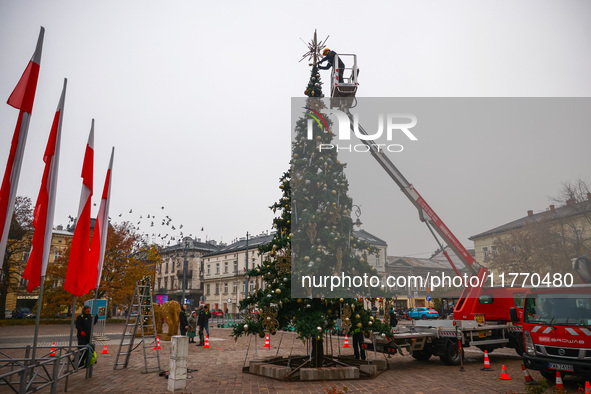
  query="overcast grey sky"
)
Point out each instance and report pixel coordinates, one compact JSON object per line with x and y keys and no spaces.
{"x":195,"y":97}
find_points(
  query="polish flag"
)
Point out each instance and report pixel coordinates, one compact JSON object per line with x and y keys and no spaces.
{"x":45,"y":207}
{"x":21,"y":98}
{"x":99,"y":237}
{"x":79,"y":260}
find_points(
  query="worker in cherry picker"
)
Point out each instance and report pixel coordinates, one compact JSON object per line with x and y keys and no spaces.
{"x":329,"y":57}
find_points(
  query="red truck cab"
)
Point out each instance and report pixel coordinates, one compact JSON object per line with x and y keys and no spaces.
{"x":557,"y":330}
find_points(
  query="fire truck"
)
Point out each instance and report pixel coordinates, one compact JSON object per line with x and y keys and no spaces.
{"x":556,"y":325}
{"x":481,"y":315}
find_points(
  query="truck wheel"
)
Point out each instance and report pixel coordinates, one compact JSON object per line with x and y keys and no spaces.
{"x":550,"y":376}
{"x":519,"y":345}
{"x":451,"y":355}
{"x":422,"y":355}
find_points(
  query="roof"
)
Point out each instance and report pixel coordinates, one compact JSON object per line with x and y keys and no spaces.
{"x":571,"y":209}
{"x":369,"y":238}
{"x":192,"y":244}
{"x":240,"y":245}
{"x":437,"y":261}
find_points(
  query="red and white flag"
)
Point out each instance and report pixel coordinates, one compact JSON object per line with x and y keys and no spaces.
{"x":99,"y":237}
{"x":79,"y":261}
{"x":45,"y":206}
{"x":21,"y":98}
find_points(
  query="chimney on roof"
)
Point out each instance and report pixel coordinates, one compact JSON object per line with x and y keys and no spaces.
{"x":570,"y":202}
{"x":60,"y":227}
{"x":530,"y":213}
{"x":552,"y":208}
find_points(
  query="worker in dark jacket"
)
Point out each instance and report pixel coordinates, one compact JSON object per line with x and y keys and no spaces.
{"x":84,"y":323}
{"x":357,"y":342}
{"x":183,"y":322}
{"x":83,"y":326}
{"x":393,"y":318}
{"x":329,"y":57}
{"x":203,"y":323}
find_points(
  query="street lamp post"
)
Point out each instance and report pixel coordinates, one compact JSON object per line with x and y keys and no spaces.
{"x":184,"y":269}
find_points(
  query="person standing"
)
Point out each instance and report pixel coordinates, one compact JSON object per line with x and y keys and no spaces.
{"x":393,"y":318}
{"x":357,"y":341}
{"x":203,"y":323}
{"x":183,"y":323}
{"x":84,"y":323}
{"x":192,"y":326}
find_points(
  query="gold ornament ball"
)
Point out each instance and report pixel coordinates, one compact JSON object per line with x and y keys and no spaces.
{"x":357,"y":316}
{"x":278,"y":291}
{"x":359,"y":325}
{"x":299,"y":301}
{"x":341,"y":299}
{"x":371,"y":318}
{"x":370,"y":323}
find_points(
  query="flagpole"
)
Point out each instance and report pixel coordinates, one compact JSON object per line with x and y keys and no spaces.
{"x":71,"y":334}
{"x":39,"y":302}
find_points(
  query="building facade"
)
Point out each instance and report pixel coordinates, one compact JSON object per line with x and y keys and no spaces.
{"x":182,"y":262}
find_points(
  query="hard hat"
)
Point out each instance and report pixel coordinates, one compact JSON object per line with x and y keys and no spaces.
{"x":326,"y":50}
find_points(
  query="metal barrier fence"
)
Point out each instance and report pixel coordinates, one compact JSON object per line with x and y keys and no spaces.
{"x":24,"y":375}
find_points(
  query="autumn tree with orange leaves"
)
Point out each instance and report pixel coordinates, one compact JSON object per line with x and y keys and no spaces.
{"x":127,"y":260}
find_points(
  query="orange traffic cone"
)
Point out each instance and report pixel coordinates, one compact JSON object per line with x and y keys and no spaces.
{"x":504,"y":374}
{"x":267,"y":344}
{"x":559,"y":384}
{"x":486,"y":366}
{"x":346,"y":341}
{"x":206,"y":346}
{"x":52,"y":354}
{"x":158,"y":343}
{"x":528,"y":378}
{"x":105,"y":351}
{"x":587,"y":387}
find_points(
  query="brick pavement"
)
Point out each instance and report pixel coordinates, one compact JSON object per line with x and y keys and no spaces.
{"x":219,"y":369}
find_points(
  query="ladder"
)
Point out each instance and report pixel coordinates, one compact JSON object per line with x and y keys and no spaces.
{"x":139,"y":314}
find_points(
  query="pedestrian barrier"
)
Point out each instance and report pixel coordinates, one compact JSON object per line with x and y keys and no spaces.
{"x":105,"y":351}
{"x":504,"y":374}
{"x":346,"y":341}
{"x":486,"y":366}
{"x":206,"y":346}
{"x":528,"y":378}
{"x":559,"y":384}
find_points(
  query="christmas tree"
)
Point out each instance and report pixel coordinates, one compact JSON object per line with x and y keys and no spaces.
{"x":315,"y":205}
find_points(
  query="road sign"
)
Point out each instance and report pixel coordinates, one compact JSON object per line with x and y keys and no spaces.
{"x":428,"y":298}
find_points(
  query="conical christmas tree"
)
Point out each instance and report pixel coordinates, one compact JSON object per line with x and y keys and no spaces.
{"x":316,"y":206}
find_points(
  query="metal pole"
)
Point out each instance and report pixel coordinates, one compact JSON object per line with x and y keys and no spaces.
{"x":93,"y":313}
{"x":184,"y":269}
{"x":71,"y":334}
{"x":39,"y":302}
{"x":246,"y":269}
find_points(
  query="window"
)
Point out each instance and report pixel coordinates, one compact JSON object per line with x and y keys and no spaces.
{"x":26,"y":256}
{"x":57,"y":254}
{"x":159,"y":283}
{"x":166,"y":271}
{"x":485,"y":252}
{"x":208,"y":269}
{"x":217,"y":288}
{"x":165,"y":283}
{"x":171,"y":283}
{"x":251,"y":286}
{"x":235,"y":288}
{"x":225,"y":267}
{"x":208,"y":289}
{"x":236,"y":266}
{"x":226,"y":288}
{"x":217,"y":268}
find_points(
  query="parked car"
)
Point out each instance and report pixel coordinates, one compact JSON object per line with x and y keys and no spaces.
{"x":7,"y":314}
{"x":423,"y":313}
{"x":22,"y":313}
{"x":217,"y":313}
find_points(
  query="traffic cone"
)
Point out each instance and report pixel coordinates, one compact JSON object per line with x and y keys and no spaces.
{"x":587,"y":387}
{"x":206,"y":346}
{"x":267,"y":344}
{"x":346,"y":341}
{"x":504,"y":374}
{"x":158,"y":343}
{"x":52,"y":354}
{"x":486,"y":366}
{"x":528,"y":378}
{"x":559,"y":384}
{"x":105,"y":351}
